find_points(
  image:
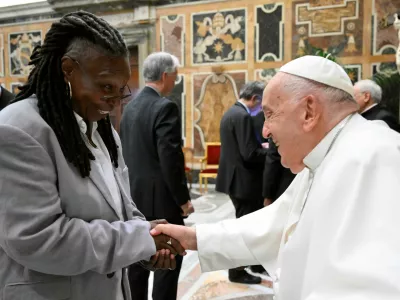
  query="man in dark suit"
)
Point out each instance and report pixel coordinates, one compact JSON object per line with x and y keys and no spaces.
{"x":5,"y":97}
{"x":151,"y":142}
{"x":241,"y":162}
{"x":276,"y":178}
{"x":368,"y":95}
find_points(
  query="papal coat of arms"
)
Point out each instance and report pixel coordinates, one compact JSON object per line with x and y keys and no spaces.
{"x":219,"y":37}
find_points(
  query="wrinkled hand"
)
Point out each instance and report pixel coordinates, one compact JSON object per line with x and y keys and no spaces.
{"x":186,"y":236}
{"x":164,"y":242}
{"x":187,"y":209}
{"x":267,"y":201}
{"x":164,"y":259}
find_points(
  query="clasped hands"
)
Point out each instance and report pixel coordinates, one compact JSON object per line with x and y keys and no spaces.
{"x":167,"y":248}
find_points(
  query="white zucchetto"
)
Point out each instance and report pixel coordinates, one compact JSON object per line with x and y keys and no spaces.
{"x":320,"y":69}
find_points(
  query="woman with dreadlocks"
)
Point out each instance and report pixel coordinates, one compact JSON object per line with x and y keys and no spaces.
{"x":68,"y":226}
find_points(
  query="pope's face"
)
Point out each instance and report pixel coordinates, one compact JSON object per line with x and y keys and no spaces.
{"x":283,"y":124}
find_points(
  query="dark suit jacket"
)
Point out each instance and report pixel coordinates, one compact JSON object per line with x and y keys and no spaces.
{"x":151,"y":143}
{"x":242,"y":157}
{"x":258,"y":123}
{"x":379,"y":113}
{"x":276,"y":178}
{"x":5,"y":98}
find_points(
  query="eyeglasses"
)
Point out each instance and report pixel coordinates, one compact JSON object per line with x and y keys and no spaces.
{"x":112,"y":98}
{"x":108,"y":98}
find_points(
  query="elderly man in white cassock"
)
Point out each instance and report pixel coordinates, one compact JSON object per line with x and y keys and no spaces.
{"x":334,"y":234}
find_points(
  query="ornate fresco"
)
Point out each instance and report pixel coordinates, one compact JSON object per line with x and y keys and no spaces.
{"x":219,"y":37}
{"x":21,"y":48}
{"x":172,"y":30}
{"x":269,"y":25}
{"x":213,"y":94}
{"x":384,"y":36}
{"x":335,"y":26}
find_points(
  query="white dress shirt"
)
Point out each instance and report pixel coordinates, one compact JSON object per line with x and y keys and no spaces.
{"x":103,"y":160}
{"x":369,"y":107}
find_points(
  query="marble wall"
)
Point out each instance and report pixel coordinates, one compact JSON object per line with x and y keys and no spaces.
{"x":16,"y":46}
{"x":17,"y":41}
{"x":222,"y":44}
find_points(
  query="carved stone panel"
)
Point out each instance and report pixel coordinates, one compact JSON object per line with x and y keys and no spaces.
{"x":335,"y":26}
{"x":265,"y":75}
{"x":219,"y":37}
{"x":172,"y":29}
{"x":384,"y":35}
{"x":269,"y":25}
{"x":213,"y":95}
{"x":354,"y":72}
{"x":20,"y":50}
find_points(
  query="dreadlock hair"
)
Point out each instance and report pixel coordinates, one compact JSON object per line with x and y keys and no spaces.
{"x":74,"y":33}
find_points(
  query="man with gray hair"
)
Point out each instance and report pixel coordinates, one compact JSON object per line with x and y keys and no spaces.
{"x":368,"y":95}
{"x":240,"y":171}
{"x":151,"y":142}
{"x":334,"y":233}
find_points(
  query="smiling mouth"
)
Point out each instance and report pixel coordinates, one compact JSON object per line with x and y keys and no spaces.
{"x":103,"y":112}
{"x":275,"y":142}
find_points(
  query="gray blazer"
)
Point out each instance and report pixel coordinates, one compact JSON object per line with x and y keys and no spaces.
{"x":60,"y":235}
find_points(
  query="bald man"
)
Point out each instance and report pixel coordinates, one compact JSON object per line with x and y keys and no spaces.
{"x":334,"y":233}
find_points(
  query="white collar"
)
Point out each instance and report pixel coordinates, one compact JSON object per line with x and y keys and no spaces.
{"x":369,"y":107}
{"x":82,"y":124}
{"x":317,"y":155}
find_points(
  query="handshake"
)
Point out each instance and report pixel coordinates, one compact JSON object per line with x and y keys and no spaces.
{"x":170,"y":240}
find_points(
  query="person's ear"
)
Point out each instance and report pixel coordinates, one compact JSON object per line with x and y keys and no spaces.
{"x":367,"y":97}
{"x":67,"y":67}
{"x":312,"y":112}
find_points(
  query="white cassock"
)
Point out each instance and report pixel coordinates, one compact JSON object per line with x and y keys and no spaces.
{"x":346,"y":242}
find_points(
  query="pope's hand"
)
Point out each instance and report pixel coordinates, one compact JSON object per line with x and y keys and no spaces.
{"x":186,"y":236}
{"x":167,"y":243}
{"x":164,"y":242}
